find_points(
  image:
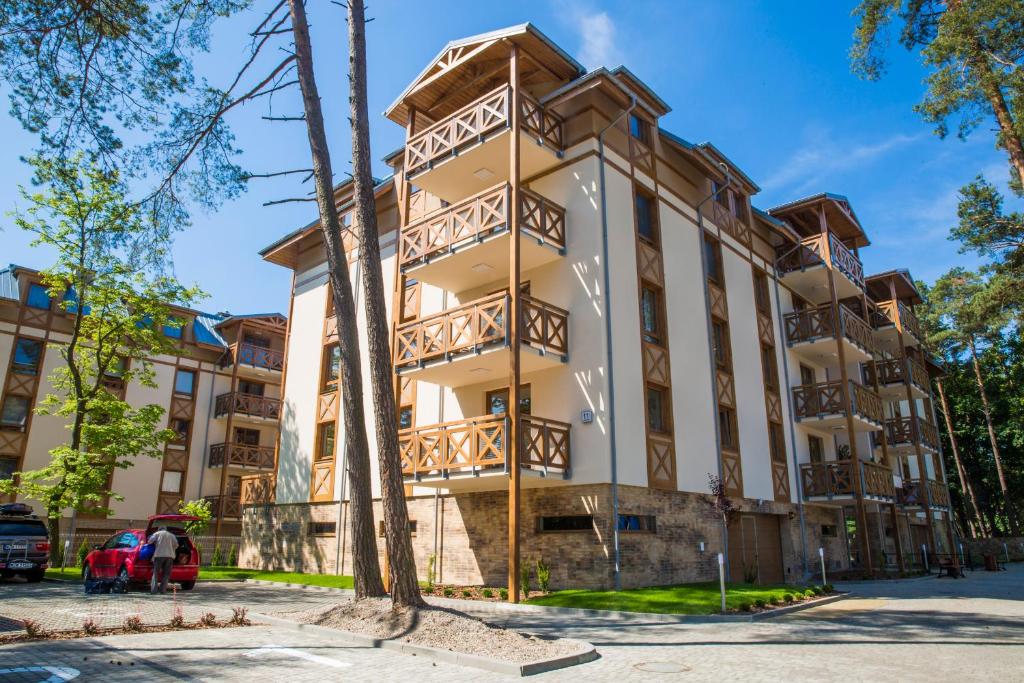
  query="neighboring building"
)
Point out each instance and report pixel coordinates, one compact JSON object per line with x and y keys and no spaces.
{"x":668,"y":332}
{"x":225,"y":382}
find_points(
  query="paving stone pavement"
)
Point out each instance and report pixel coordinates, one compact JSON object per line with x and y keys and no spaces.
{"x":970,"y":629}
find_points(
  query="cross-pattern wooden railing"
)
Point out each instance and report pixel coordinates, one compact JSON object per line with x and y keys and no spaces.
{"x":877,"y":480}
{"x":913,"y":493}
{"x":225,"y":507}
{"x":810,"y":252}
{"x":478,"y":444}
{"x":258,"y":357}
{"x":897,"y":313}
{"x":247,"y":404}
{"x":845,"y":261}
{"x":866,"y":403}
{"x":826,"y":398}
{"x":833,"y":478}
{"x":477,"y":324}
{"x":474,"y":122}
{"x":477,"y":217}
{"x":242,"y":455}
{"x":727,"y":220}
{"x":259,"y":489}
{"x":904,"y":430}
{"x":888,"y":371}
{"x":918,"y":375}
{"x":816,"y":322}
{"x":938,"y":494}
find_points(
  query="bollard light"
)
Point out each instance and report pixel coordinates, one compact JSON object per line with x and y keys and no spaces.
{"x":721,"y":578}
{"x":821,"y":555}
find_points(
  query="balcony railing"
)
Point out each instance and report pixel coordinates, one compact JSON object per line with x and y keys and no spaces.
{"x":225,"y":507}
{"x":894,"y":371}
{"x":474,"y":122}
{"x":913,"y":493}
{"x":259,"y":489}
{"x":242,"y":455}
{"x":477,"y":217}
{"x":477,"y":445}
{"x":899,"y":314}
{"x":251,"y":405}
{"x":817,"y":322}
{"x":826,"y":398}
{"x":907,"y":431}
{"x":810,"y":253}
{"x":835,"y":479}
{"x":256,"y":356}
{"x":477,"y":324}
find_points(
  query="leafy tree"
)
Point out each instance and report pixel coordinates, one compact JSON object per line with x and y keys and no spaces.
{"x":197,"y":508}
{"x":974,"y":50}
{"x":115,"y":317}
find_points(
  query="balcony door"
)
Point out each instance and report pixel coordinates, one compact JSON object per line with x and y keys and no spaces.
{"x":251,"y":388}
{"x":247,"y":437}
{"x":497,"y":401}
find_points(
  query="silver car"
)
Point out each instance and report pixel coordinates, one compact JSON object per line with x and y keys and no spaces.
{"x":24,"y":543}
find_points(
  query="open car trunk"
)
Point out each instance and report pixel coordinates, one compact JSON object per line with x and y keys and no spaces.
{"x":174,"y":524}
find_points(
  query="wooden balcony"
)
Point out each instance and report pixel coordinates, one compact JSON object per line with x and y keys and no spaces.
{"x":242,"y":455}
{"x":466,"y":245}
{"x":914,"y":490}
{"x":888,"y":318}
{"x":225,"y":507}
{"x":254,"y":358}
{"x":822,"y":406}
{"x":470,"y":454}
{"x":812,"y":332}
{"x":893,"y":376}
{"x":247,"y":407}
{"x":469,"y":344}
{"x":259,"y":489}
{"x":828,"y":481}
{"x":902,"y":434}
{"x":464,"y":153}
{"x":804,"y":268}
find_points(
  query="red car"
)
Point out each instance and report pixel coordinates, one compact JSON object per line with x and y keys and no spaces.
{"x":118,"y":558}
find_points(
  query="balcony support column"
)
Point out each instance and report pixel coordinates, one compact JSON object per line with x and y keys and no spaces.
{"x":897,"y":538}
{"x":855,"y":469}
{"x":513,"y":444}
{"x":228,"y":439}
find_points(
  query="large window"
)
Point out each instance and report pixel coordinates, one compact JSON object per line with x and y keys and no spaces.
{"x":332,"y":368}
{"x":185,"y":382}
{"x":27,"y":353}
{"x":325,"y":442}
{"x":713,"y":256}
{"x":38,"y":297}
{"x":14,"y":413}
{"x":657,"y":410}
{"x":646,"y":216}
{"x":650,"y":314}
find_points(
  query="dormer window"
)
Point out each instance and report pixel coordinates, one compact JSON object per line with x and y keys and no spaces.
{"x":174,"y":328}
{"x":38,"y":297}
{"x":639,"y":129}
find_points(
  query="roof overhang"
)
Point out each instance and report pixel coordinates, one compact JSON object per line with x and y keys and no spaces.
{"x":902,"y":283}
{"x":839,"y":215}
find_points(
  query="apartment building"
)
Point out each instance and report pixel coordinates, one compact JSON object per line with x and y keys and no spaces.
{"x":221,"y":396}
{"x":591,"y":322}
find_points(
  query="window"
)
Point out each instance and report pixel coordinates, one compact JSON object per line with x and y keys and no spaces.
{"x":727,"y":427}
{"x":720,"y":339}
{"x":171,"y":482}
{"x":332,"y":367}
{"x":38,"y":297}
{"x":829,"y":531}
{"x":816,"y":448}
{"x":497,"y":401}
{"x":117,"y":368}
{"x":656,"y":411}
{"x":762,"y":300}
{"x":712,"y":255}
{"x":721,"y":193}
{"x":322,"y":528}
{"x":646,"y":217}
{"x":252,"y":388}
{"x":256,"y":340}
{"x":174,"y":327}
{"x":180,"y":428}
{"x":739,"y":206}
{"x":405,"y":417}
{"x":650,"y":314}
{"x":127,"y":540}
{"x":412,"y":527}
{"x":776,"y":442}
{"x":27,"y":353}
{"x":566,"y":523}
{"x":325,"y":442}
{"x":770,"y":370}
{"x":644,"y":523}
{"x":247,"y":437}
{"x":184,"y":382}
{"x":639,"y":128}
{"x":15,"y":412}
{"x":8,"y":466}
{"x":806,"y":375}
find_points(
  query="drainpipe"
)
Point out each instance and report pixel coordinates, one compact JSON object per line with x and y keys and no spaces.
{"x":792,"y":429}
{"x":609,"y":360}
{"x":339,"y":555}
{"x":711,"y":343}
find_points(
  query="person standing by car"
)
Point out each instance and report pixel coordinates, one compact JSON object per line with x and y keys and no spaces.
{"x":166,"y":547}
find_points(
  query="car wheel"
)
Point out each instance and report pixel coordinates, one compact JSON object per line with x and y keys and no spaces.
{"x":122,"y":581}
{"x":35,"y":576}
{"x":188,"y":585}
{"x":86,"y":573}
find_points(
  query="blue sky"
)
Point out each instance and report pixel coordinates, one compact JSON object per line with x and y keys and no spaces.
{"x":768,"y":82}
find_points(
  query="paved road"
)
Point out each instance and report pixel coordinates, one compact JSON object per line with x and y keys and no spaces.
{"x":924,"y":630}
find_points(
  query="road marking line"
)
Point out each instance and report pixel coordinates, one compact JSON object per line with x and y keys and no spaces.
{"x":298,"y":654}
{"x":59,"y":674}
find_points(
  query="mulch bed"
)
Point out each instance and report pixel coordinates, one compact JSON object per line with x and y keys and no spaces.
{"x":11,"y":638}
{"x":454,"y":592}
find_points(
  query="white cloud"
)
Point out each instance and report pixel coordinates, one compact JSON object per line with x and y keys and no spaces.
{"x":597,"y":35}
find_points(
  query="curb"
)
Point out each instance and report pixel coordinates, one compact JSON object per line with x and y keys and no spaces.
{"x":588,"y":654}
{"x":301,"y":586}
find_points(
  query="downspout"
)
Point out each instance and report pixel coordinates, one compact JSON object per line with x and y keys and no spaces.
{"x":711,"y":345}
{"x":340,"y":528}
{"x":203,"y":460}
{"x":609,"y":359}
{"x":792,"y":428}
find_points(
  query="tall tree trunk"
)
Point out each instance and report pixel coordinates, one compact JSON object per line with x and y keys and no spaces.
{"x":364,"y":544}
{"x":965,"y":482}
{"x":405,"y":589}
{"x":1011,"y":515}
{"x":1008,"y":138}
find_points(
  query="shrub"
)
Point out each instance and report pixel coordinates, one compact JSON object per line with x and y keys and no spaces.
{"x":828,"y":588}
{"x":90,"y":627}
{"x":431,"y":572}
{"x":524,"y":579}
{"x":83,"y":550}
{"x":233,"y":557}
{"x":760,"y":603}
{"x":487,"y":593}
{"x":178,"y":618}
{"x":208,"y":619}
{"x":503,"y":593}
{"x":33,"y":628}
{"x":466,"y":593}
{"x":776,"y":599}
{"x":239,"y":616}
{"x":818,"y":590}
{"x":745,"y":606}
{"x":133,"y":624}
{"x":448,"y":592}
{"x":788,"y":597}
{"x":810,"y":593}
{"x":543,"y":575}
{"x":217,"y":559}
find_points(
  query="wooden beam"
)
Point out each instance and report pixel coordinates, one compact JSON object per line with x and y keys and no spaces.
{"x":512,"y":438}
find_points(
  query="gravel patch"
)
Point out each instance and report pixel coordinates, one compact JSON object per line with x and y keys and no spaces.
{"x":438,"y":627}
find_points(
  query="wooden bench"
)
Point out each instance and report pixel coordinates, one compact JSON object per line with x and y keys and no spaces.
{"x":950,"y":569}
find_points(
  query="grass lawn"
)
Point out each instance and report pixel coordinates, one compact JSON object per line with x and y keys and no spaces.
{"x":68,"y":574}
{"x":234,"y":574}
{"x":691,"y":598}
